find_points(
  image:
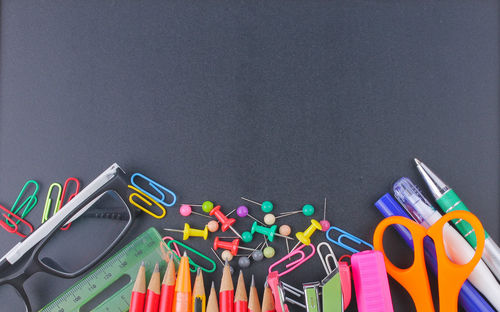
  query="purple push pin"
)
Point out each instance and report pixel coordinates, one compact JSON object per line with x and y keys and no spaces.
{"x":242,"y":211}
{"x":325,"y":224}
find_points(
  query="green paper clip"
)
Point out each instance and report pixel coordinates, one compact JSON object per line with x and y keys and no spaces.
{"x":48,"y":201}
{"x":195,"y":266}
{"x":28,"y":203}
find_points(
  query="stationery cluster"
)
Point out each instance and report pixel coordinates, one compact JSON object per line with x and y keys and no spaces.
{"x":453,"y":246}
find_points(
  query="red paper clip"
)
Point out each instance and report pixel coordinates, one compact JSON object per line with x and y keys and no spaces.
{"x":15,"y":227}
{"x":61,"y":202}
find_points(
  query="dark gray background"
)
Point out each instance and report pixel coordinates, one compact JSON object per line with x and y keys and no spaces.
{"x":288,"y":101}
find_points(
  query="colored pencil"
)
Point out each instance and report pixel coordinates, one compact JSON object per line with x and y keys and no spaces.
{"x":139,"y":291}
{"x":267,"y":300}
{"x":182,"y":296}
{"x":168,"y":287}
{"x":153,"y":293}
{"x":199,"y":299}
{"x":226,"y":292}
{"x":212,"y":305}
{"x":253,"y":300}
{"x":240,"y":296}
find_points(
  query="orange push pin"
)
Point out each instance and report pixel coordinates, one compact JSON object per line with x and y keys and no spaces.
{"x":305,"y":237}
{"x":189,"y":232}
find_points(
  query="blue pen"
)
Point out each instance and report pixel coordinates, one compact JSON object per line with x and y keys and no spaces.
{"x":469,"y":297}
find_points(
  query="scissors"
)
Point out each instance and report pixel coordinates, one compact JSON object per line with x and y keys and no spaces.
{"x":451,"y":276}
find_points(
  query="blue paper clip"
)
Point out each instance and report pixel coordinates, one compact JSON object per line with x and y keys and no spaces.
{"x":28,"y":203}
{"x":349,"y":236}
{"x":157,"y":187}
{"x":48,"y":201}
{"x":191,"y":262}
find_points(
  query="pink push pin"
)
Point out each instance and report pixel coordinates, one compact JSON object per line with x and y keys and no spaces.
{"x":325,"y":224}
{"x":242,"y":211}
{"x":186,"y":211}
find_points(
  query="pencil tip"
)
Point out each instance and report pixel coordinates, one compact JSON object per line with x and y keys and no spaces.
{"x":252,"y":284}
{"x":226,"y":263}
{"x":142,"y":263}
{"x":157,"y":268}
{"x":198,"y":271}
{"x":213,"y":284}
{"x":184,"y":254}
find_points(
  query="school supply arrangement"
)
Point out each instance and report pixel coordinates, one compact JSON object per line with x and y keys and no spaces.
{"x":455,"y":246}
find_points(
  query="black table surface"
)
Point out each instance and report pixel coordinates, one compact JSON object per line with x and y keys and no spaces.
{"x":288,"y":101}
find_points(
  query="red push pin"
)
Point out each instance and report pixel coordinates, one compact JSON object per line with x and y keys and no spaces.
{"x":231,"y":246}
{"x":226,"y":223}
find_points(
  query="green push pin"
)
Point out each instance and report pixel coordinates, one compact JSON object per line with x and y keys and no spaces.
{"x":246,"y":237}
{"x":269,"y":252}
{"x":307,"y":210}
{"x":268,"y":232}
{"x":266,"y":206}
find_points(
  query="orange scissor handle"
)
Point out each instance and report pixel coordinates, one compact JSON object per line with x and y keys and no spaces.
{"x":451,"y":276}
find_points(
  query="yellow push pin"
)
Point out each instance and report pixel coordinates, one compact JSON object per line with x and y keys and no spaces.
{"x":189,"y":232}
{"x":305,"y":237}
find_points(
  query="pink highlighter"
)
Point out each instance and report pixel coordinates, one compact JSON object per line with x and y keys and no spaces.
{"x":370,"y":282}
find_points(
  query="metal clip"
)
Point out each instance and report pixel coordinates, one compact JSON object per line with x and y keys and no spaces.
{"x":191,"y":262}
{"x":311,"y":294}
{"x":349,"y":236}
{"x":157,"y":187}
{"x":148,"y":200}
{"x":325,"y":260}
{"x":48,"y":201}
{"x":15,"y":228}
{"x":28,"y":203}
{"x":295,"y":263}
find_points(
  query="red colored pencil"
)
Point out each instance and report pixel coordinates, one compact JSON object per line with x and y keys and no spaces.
{"x":240,"y":296}
{"x":168,"y":287}
{"x":226,"y":293}
{"x":153,"y":294}
{"x":139,"y":291}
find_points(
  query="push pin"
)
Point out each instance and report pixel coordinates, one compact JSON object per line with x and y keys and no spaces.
{"x":223,"y":263}
{"x":244,"y":262}
{"x":226,"y":223}
{"x":266,"y":206}
{"x":305,"y":237}
{"x":189,"y":232}
{"x":207,"y":206}
{"x":213,"y":226}
{"x":242,"y":211}
{"x":269,"y":219}
{"x":231,"y":246}
{"x":268,"y":232}
{"x":226,"y":255}
{"x":286,"y":230}
{"x":325,"y":224}
{"x":269,"y":252}
{"x":307,"y":210}
{"x":186,"y":211}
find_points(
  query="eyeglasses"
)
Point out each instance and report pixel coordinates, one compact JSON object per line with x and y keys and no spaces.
{"x":99,"y":214}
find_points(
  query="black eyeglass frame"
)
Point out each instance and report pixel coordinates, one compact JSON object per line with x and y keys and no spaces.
{"x":33,"y":265}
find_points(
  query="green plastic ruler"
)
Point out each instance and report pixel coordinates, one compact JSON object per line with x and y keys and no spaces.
{"x":116,"y":275}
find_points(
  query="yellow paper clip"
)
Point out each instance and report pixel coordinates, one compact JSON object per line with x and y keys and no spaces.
{"x":48,"y":201}
{"x":148,"y":200}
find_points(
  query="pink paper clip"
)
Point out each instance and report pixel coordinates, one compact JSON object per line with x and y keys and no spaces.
{"x":295,"y":263}
{"x":177,"y":251}
{"x":15,"y":227}
{"x":63,"y":194}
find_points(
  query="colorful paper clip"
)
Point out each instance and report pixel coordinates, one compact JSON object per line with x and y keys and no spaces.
{"x":61,"y":201}
{"x":48,"y":201}
{"x":176,"y":251}
{"x":349,"y":236}
{"x":157,"y":187}
{"x":148,"y":200}
{"x":28,"y":203}
{"x":331,"y":285}
{"x":15,"y":228}
{"x":193,"y":266}
{"x":295,"y":263}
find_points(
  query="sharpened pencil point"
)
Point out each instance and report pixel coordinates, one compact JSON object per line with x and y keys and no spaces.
{"x":252,"y":284}
{"x":157,"y":267}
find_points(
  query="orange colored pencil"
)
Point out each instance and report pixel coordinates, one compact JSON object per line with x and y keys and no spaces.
{"x":153,"y":293}
{"x":268,"y":300}
{"x":253,"y":300}
{"x":240,"y":296}
{"x":182,"y":296}
{"x":226,"y":292}
{"x":168,"y":287}
{"x":139,"y":291}
{"x":212,"y":305}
